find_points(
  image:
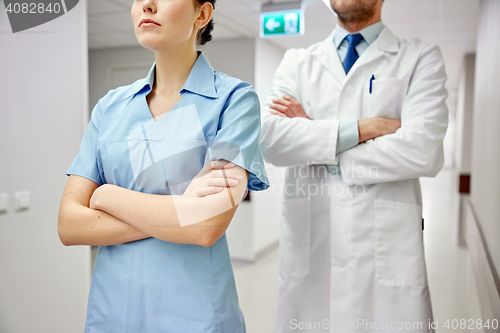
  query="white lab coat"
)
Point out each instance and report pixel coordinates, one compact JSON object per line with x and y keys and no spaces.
{"x":351,"y":247}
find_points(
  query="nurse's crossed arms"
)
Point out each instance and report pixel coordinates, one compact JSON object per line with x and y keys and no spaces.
{"x":105,"y":215}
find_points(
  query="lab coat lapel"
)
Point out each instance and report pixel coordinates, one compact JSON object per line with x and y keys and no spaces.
{"x":384,"y":44}
{"x":328,"y":56}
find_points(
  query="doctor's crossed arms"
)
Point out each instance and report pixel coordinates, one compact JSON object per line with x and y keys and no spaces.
{"x":368,"y":128}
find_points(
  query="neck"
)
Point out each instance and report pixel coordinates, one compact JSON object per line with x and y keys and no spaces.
{"x":357,"y":26}
{"x":173,"y":67}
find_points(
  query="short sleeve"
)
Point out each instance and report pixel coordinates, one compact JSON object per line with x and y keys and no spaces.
{"x":85,"y":163}
{"x":237,"y":138}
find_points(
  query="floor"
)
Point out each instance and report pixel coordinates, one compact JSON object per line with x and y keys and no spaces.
{"x":446,"y":264}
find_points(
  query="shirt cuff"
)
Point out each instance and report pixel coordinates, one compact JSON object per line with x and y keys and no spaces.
{"x":348,"y":135}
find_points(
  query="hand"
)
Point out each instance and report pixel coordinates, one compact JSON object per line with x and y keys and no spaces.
{"x":212,"y":179}
{"x":287,"y":107}
{"x":389,"y":126}
{"x":371,"y":128}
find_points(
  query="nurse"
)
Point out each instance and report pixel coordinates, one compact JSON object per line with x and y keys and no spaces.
{"x":161,"y":169}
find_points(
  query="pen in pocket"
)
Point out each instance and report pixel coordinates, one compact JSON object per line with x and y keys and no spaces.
{"x":371,"y":83}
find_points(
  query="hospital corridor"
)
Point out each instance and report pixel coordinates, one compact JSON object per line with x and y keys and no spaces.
{"x":263,"y":166}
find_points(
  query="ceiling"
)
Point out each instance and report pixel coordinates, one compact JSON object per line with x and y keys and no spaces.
{"x":452,"y":24}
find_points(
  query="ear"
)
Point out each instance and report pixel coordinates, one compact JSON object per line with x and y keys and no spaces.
{"x":206,"y":12}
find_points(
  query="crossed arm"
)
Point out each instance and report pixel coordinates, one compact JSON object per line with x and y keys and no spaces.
{"x":368,"y":128}
{"x":108,"y":215}
{"x":406,"y":148}
{"x":289,"y":137}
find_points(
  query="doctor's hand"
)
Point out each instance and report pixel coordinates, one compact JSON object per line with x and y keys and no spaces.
{"x":371,"y":128}
{"x":287,"y":106}
{"x":212,"y":179}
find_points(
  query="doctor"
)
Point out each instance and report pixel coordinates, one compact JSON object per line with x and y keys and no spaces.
{"x":356,"y":119}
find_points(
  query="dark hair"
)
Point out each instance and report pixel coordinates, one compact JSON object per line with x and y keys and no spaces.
{"x":205,"y":33}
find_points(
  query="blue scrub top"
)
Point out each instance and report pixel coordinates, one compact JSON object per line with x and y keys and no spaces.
{"x":151,"y":285}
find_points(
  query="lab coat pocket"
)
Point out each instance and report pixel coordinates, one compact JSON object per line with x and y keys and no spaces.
{"x":399,"y":249}
{"x":386,"y":98}
{"x":295,"y":240}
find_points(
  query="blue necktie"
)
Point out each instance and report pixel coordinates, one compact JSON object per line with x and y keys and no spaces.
{"x":352,"y":55}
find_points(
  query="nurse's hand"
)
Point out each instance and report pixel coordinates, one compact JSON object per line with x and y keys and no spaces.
{"x":212,"y":179}
{"x":287,"y":106}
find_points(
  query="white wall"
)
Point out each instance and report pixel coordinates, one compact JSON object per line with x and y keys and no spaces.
{"x":485,"y":176}
{"x":462,"y":155}
{"x":43,"y":80}
{"x":463,"y":117}
{"x":268,"y":210}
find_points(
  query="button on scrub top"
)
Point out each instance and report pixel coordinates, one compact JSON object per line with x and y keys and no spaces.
{"x":151,"y":285}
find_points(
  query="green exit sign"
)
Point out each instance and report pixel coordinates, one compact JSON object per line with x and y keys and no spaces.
{"x":282,"y":23}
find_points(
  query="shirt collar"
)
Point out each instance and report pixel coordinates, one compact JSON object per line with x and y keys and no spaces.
{"x":201,"y":79}
{"x":370,"y":33}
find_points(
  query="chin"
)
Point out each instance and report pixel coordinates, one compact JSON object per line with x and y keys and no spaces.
{"x":159,"y":42}
{"x":150,"y":42}
{"x":343,"y":3}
